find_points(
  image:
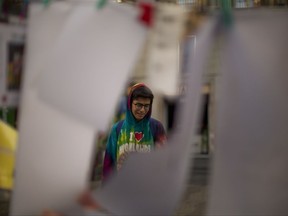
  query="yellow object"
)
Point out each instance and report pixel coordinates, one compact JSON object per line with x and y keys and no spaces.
{"x":8,"y":140}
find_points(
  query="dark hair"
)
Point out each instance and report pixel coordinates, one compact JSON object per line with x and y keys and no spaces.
{"x":143,"y":92}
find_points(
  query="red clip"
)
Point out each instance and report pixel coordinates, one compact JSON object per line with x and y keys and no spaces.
{"x":146,"y":15}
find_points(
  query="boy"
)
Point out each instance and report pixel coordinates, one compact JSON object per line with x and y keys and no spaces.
{"x":138,"y":132}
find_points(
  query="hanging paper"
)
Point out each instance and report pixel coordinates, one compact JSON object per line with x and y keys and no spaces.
{"x":91,"y":60}
{"x":249,"y":171}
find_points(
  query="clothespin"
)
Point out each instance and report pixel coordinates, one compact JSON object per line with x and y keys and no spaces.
{"x":147,"y":12}
{"x":46,"y":3}
{"x":226,"y":12}
{"x":100,"y":4}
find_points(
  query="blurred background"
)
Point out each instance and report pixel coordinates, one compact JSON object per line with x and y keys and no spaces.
{"x":13,"y":23}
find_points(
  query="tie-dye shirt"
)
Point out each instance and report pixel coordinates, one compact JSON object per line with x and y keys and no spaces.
{"x":132,"y":136}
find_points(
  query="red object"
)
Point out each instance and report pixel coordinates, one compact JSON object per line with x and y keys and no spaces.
{"x":138,"y":136}
{"x":147,"y":12}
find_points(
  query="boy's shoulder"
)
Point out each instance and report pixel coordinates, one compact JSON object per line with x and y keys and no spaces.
{"x":118,"y":126}
{"x":155,"y":122}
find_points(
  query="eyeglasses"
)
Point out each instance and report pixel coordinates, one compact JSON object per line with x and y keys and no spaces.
{"x":139,"y":106}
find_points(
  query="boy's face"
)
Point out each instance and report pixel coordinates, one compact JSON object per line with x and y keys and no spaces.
{"x":140,"y":107}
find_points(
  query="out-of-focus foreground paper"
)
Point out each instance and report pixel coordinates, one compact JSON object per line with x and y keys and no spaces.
{"x":250,"y":165}
{"x":78,"y":59}
{"x":47,"y":173}
{"x":152,"y":184}
{"x":91,"y":60}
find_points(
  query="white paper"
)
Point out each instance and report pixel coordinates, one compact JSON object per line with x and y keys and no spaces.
{"x":91,"y":61}
{"x":163,"y":49}
{"x":250,"y":163}
{"x":78,"y":59}
{"x":152,"y":184}
{"x":53,"y":154}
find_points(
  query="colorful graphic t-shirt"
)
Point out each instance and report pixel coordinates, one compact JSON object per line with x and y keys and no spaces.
{"x":131,"y":136}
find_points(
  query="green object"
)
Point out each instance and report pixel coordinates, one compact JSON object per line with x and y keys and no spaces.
{"x":9,"y":115}
{"x":101,"y":3}
{"x":46,"y":2}
{"x":226,"y":10}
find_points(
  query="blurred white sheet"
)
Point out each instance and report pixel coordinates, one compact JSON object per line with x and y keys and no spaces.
{"x":250,"y":162}
{"x":78,"y":58}
{"x":88,"y":67}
